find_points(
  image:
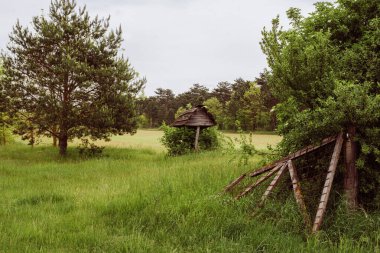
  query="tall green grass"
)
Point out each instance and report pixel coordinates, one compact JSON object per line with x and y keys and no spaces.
{"x":140,"y":200}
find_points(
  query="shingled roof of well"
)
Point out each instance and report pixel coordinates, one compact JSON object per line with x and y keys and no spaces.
{"x":197,"y":116}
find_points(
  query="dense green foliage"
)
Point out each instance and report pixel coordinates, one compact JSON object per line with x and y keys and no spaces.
{"x":248,"y":102}
{"x":142,"y":201}
{"x":65,"y":77}
{"x":325,"y":71}
{"x":180,"y":140}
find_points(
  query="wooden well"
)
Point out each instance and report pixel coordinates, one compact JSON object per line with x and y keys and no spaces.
{"x":197,"y":117}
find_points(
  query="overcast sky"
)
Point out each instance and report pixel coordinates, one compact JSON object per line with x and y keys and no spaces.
{"x":176,"y":43}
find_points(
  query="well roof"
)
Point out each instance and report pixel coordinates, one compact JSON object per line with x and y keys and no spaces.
{"x":197,"y":116}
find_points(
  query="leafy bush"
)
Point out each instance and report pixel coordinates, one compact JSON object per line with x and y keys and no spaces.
{"x":88,"y":149}
{"x":242,"y":148}
{"x":180,"y":141}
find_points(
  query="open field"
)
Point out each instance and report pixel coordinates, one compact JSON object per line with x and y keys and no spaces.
{"x":140,"y":200}
{"x":149,"y":138}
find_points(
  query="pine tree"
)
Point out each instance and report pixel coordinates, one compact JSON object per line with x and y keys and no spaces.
{"x":67,"y":75}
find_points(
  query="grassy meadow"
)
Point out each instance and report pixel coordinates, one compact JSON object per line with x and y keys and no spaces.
{"x":136,"y":199}
{"x":150,"y":138}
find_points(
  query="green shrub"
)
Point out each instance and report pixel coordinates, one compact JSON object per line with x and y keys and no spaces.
{"x":180,"y":141}
{"x":88,"y":149}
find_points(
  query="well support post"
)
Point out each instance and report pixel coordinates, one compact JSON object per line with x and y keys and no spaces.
{"x":196,"y":145}
{"x":351,"y":173}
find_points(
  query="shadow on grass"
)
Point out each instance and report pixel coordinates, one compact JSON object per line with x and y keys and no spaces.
{"x":50,"y":198}
{"x":45,"y":154}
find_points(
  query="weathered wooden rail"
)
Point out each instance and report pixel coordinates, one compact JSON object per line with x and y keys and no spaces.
{"x":279,"y":168}
{"x":258,"y":182}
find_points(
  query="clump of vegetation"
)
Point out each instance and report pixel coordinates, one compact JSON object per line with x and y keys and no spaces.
{"x":241,"y":147}
{"x":246,"y":147}
{"x":88,"y":149}
{"x":180,"y":141}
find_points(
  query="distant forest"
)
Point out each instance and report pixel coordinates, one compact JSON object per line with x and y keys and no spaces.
{"x":244,"y":104}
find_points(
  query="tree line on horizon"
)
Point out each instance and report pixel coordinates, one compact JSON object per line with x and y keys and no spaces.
{"x":242,"y":104}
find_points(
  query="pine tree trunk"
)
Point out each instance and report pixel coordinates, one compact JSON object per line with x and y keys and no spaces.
{"x":63,"y":127}
{"x":351,"y":175}
{"x":63,"y":144}
{"x":54,"y":130}
{"x":32,"y":139}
